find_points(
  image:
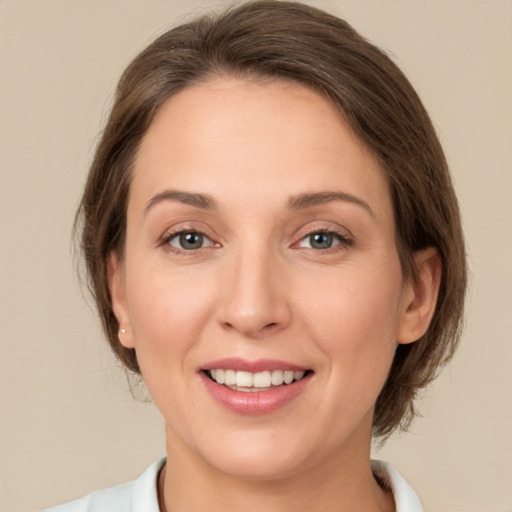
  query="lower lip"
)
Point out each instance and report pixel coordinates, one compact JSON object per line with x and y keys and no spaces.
{"x":254,"y":402}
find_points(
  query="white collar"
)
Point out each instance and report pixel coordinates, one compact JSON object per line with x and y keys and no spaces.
{"x":406,"y":500}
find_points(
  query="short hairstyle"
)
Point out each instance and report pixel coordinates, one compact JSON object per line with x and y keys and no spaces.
{"x":290,"y":41}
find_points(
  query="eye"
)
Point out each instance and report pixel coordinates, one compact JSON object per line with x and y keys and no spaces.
{"x":322,"y":240}
{"x":188,"y":240}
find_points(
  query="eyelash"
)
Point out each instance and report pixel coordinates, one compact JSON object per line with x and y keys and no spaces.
{"x":166,"y":241}
{"x":343,"y":241}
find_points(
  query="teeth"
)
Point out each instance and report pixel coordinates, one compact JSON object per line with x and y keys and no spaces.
{"x":298,"y":375}
{"x":220,"y":376}
{"x":277,"y":377}
{"x":288,"y":377}
{"x":244,"y":379}
{"x":230,"y":377}
{"x":262,"y":380}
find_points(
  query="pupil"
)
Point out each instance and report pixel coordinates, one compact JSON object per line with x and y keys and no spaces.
{"x":321,"y":240}
{"x":191,"y":240}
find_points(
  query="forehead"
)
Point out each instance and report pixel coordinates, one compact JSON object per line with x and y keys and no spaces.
{"x":273,"y":137}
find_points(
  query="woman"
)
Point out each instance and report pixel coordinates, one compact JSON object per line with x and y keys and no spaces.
{"x":273,"y":242}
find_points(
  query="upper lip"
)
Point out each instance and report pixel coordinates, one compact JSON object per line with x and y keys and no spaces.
{"x":258,"y":365}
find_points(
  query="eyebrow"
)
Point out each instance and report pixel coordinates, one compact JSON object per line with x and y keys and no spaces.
{"x":298,"y":202}
{"x":202,"y":201}
{"x":303,"y":201}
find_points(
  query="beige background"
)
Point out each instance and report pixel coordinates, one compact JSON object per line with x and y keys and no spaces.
{"x":68,"y":423}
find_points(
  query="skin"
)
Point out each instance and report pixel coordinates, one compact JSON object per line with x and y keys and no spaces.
{"x":258,"y":288}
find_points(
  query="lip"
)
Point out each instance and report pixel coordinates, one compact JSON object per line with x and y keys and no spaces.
{"x":258,"y":365}
{"x":254,"y":402}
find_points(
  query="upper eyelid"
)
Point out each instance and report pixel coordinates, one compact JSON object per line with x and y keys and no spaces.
{"x":173,"y":234}
{"x":323,"y":228}
{"x":169,"y":235}
{"x":188,"y":227}
{"x":343,"y":238}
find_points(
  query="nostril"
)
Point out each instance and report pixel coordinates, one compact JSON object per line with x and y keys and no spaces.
{"x":252,"y":322}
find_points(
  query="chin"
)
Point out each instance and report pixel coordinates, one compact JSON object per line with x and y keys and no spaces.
{"x":259,"y":456}
{"x":258,"y":467}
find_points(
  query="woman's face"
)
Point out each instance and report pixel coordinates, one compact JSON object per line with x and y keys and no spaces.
{"x":260,"y":248}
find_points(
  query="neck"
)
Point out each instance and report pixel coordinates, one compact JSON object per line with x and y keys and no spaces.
{"x":342,"y":483}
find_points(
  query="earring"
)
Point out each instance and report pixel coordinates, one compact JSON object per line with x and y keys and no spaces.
{"x":122,"y":331}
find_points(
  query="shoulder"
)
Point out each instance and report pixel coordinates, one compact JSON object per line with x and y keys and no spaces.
{"x":115,"y":498}
{"x":139,"y":495}
{"x":406,"y":499}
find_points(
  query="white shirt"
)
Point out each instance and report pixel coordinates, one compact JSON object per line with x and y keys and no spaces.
{"x":140,"y":495}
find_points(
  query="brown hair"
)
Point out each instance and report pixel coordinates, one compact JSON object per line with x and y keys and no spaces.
{"x":292,"y":41}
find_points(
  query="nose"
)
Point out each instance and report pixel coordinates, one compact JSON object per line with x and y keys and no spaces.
{"x":254,"y":296}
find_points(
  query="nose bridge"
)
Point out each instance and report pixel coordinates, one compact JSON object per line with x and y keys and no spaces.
{"x":254,"y":298}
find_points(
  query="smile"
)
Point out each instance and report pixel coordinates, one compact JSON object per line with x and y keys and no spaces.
{"x":253,"y":382}
{"x":254,"y":387}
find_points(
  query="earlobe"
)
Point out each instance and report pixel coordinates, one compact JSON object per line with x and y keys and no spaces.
{"x":118,"y":296}
{"x":421,"y":296}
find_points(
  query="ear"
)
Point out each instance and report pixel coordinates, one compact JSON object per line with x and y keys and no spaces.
{"x":420,"y":295}
{"x":116,"y":286}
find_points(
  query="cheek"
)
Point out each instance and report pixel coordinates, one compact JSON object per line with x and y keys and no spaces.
{"x":354,"y":324}
{"x":168,"y":311}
